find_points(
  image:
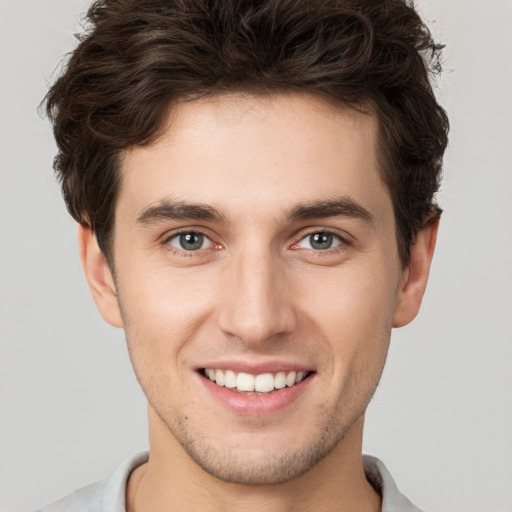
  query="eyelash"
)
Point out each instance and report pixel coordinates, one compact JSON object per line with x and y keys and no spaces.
{"x":183,"y":253}
{"x":342,"y":246}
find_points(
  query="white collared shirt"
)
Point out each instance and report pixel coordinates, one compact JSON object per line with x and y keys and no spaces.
{"x":109,"y":495}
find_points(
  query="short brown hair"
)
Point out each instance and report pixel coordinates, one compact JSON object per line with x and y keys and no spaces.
{"x":137,"y":57}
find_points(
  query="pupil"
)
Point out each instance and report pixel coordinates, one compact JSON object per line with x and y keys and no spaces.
{"x":321,"y":240}
{"x":191,"y":241}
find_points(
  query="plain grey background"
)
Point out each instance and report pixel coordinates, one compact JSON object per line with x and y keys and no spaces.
{"x":441,"y":420}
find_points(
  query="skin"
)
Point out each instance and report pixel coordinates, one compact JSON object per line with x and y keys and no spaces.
{"x":257,"y":292}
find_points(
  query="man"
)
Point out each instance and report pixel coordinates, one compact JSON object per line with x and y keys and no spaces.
{"x":254,"y":184}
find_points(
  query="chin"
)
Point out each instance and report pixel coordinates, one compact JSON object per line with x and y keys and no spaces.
{"x":263,"y":461}
{"x":259,"y":470}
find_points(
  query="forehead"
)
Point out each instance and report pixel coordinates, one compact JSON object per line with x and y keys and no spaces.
{"x":268,"y":152}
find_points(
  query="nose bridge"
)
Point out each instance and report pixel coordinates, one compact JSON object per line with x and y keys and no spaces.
{"x":256,"y":303}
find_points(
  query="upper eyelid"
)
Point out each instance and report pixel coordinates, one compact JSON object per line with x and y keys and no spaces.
{"x":322,"y":230}
{"x":342,"y":235}
{"x":345,"y":237}
{"x":168,"y":235}
{"x":171,"y":240}
{"x":345,"y":242}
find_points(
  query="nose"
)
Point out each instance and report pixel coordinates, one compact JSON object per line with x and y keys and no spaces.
{"x":255,"y":303}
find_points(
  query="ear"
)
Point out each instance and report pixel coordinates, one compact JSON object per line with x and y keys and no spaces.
{"x":415,"y":276}
{"x":98,"y":275}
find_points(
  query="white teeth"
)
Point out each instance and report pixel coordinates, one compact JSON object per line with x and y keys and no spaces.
{"x":219,"y":377}
{"x":263,"y":383}
{"x":290,"y":378}
{"x":280,"y":380}
{"x":300,"y":376}
{"x":230,"y":379}
{"x":245,"y":382}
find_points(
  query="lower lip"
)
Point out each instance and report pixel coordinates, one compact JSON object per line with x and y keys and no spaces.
{"x":256,"y":405}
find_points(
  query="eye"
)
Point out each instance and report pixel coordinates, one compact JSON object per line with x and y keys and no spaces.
{"x":190,"y":241}
{"x":320,"y":241}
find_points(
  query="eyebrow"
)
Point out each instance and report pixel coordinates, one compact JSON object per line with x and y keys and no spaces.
{"x":344,"y":207}
{"x":168,"y":210}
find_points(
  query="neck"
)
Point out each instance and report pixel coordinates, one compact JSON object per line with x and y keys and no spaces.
{"x":171,"y":480}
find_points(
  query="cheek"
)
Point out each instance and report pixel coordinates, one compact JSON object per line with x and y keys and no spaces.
{"x":165,"y":301}
{"x":162,"y":311}
{"x":354,"y":311}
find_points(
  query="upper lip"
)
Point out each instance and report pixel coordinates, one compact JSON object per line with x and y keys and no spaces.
{"x":257,"y":367}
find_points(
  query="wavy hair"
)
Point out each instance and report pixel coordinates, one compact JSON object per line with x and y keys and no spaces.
{"x":137,"y":57}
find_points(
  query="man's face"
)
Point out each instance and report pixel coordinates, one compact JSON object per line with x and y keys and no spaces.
{"x":256,"y":237}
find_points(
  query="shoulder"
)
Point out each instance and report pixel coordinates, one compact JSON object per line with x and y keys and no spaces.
{"x":105,"y":496}
{"x":382,"y":481}
{"x":85,"y":499}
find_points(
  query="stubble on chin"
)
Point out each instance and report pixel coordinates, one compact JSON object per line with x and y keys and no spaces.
{"x":248,"y":466}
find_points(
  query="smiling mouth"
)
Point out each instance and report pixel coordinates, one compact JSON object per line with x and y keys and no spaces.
{"x":263,"y":383}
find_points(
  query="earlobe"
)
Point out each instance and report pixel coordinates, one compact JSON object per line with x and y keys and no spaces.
{"x":99,"y":277}
{"x":415,"y":279}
